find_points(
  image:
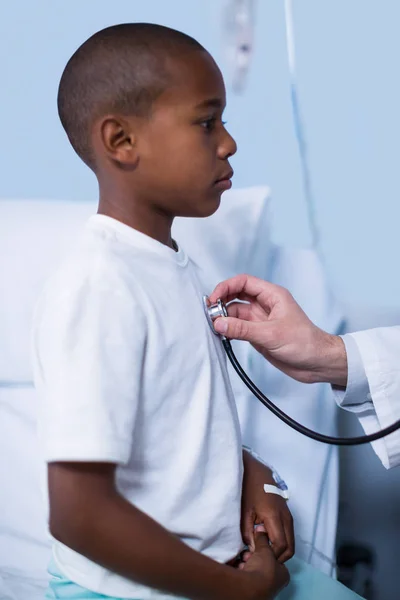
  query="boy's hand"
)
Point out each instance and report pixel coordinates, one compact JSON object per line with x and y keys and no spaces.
{"x":270,"y":510}
{"x":268,"y":576}
{"x":82,"y":493}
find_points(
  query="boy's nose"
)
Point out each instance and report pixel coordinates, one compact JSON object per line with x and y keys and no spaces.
{"x":227,"y":147}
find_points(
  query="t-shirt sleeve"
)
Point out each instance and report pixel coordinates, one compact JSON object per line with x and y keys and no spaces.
{"x":89,"y":352}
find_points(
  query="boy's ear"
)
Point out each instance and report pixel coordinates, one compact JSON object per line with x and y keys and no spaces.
{"x":118,"y":141}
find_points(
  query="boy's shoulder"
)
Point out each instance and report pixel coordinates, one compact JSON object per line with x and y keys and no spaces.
{"x":89,"y":269}
{"x":87,"y":292}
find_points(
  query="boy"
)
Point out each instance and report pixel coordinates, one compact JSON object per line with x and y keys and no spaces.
{"x":138,"y":422}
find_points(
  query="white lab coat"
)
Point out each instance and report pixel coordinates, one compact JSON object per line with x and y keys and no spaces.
{"x":373,"y":390}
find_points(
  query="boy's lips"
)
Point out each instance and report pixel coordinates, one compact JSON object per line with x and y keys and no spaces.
{"x":224,"y":182}
{"x":226,"y":175}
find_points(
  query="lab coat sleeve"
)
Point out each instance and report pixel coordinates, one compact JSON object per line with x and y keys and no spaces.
{"x":373,"y":390}
{"x":357,"y":393}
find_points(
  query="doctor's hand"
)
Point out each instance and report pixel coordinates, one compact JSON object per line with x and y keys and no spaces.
{"x":269,"y":510}
{"x":273,"y":322}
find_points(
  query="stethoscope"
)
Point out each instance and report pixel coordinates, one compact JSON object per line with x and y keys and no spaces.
{"x":213,"y":311}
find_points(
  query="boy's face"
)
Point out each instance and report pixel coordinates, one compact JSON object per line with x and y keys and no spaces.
{"x":183,"y":148}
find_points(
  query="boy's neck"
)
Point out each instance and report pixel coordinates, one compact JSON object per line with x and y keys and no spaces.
{"x":139,"y":216}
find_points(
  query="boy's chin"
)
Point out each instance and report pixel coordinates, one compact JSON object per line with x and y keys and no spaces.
{"x":207,"y":208}
{"x":212,"y":209}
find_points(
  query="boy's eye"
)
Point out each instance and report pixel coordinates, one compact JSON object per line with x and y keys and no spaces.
{"x":209,"y":124}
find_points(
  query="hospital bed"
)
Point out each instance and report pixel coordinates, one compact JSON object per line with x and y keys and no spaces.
{"x":34,"y":236}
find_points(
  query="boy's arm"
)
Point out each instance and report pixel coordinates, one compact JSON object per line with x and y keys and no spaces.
{"x":269,"y":509}
{"x":89,"y":515}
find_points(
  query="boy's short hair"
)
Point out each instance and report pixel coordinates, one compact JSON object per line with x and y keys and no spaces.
{"x":118,"y":69}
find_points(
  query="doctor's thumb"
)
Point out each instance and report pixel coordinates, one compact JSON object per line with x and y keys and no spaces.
{"x":237,"y":329}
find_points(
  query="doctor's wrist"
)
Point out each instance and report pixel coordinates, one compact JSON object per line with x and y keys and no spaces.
{"x":330,"y":365}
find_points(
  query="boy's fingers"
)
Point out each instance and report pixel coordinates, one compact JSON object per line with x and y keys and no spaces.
{"x":277,"y":536}
{"x":248,"y":529}
{"x":260,"y":540}
{"x":289,"y":531}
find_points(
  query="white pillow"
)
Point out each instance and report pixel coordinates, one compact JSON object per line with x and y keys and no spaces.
{"x":34,"y":236}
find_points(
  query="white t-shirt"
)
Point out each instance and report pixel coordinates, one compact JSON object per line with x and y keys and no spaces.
{"x":128,"y":371}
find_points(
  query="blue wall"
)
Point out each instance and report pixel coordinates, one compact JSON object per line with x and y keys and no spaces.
{"x":347,"y":69}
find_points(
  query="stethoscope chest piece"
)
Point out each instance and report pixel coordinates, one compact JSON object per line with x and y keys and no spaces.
{"x":213,"y":311}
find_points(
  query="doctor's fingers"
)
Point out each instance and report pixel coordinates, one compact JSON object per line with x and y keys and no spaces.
{"x":238,"y":310}
{"x":258,"y":333}
{"x":253,"y":287}
{"x":253,"y":312}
